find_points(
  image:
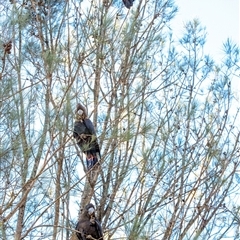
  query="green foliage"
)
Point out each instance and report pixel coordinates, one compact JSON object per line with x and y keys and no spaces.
{"x":164,"y":114}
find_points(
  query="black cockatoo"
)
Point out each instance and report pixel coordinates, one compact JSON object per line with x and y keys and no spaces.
{"x":88,"y":227}
{"x":128,"y":3}
{"x":85,"y":135}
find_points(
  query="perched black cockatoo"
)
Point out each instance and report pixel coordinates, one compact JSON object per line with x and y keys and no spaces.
{"x":128,"y":3}
{"x":85,"y":135}
{"x":88,"y":227}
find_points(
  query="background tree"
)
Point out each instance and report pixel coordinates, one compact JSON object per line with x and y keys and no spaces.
{"x":164,"y":113}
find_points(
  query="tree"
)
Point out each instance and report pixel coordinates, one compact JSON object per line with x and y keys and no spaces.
{"x":164,"y":113}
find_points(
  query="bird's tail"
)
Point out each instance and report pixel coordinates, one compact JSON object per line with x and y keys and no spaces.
{"x":92,"y":160}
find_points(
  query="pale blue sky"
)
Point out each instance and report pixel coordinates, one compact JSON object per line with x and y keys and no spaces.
{"x":221,"y":18}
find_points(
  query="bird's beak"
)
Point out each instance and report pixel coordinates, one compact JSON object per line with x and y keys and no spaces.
{"x":91,"y":211}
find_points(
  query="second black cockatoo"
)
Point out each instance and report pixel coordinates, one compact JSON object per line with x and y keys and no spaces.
{"x":85,"y":135}
{"x":88,"y":227}
{"x":128,"y":3}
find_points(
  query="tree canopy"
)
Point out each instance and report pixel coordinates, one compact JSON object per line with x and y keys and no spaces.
{"x":164,"y":111}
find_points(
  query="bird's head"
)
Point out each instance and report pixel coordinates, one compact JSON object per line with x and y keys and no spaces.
{"x":81,"y":112}
{"x":90,"y":209}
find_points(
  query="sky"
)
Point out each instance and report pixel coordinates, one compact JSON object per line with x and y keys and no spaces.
{"x":220,"y":17}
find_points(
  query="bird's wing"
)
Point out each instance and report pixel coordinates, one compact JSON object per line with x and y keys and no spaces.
{"x":99,"y":229}
{"x":89,"y":125}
